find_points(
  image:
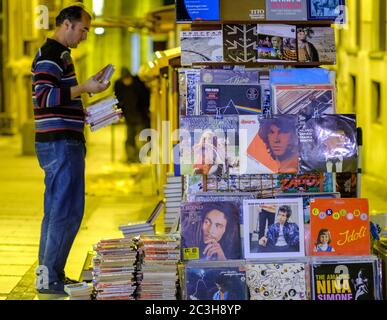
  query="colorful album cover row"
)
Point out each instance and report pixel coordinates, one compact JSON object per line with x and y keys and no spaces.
{"x":237,"y":145}
{"x":354,"y":278}
{"x":249,"y":43}
{"x":270,"y":10}
{"x":273,"y":228}
{"x":290,"y":90}
{"x":273,"y":185}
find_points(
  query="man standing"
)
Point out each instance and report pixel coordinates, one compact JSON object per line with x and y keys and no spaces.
{"x":60,"y":143}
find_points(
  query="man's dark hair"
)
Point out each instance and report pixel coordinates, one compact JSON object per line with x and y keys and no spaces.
{"x":73,"y":14}
{"x":285,"y":209}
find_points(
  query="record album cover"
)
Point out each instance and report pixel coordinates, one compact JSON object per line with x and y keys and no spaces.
{"x":230,"y":99}
{"x":302,"y":76}
{"x":247,"y":10}
{"x":345,"y":279}
{"x":273,"y":228}
{"x":329,"y":144}
{"x":286,"y":10}
{"x":268,"y":145}
{"x":304,"y":100}
{"x":201,"y":46}
{"x":215,"y":282}
{"x":240,"y":42}
{"x":327,"y":10}
{"x":316,"y":44}
{"x":276,"y":281}
{"x":339,"y":227}
{"x":210,"y":231}
{"x":276,"y":42}
{"x":209,"y":145}
{"x":229,"y":76}
{"x":197,"y":10}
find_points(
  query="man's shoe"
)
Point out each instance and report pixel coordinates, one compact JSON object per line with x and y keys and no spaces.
{"x":70,"y":281}
{"x":54,"y":288}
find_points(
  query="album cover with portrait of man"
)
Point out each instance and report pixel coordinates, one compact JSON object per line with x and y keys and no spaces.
{"x":276,"y":42}
{"x":273,"y":228}
{"x":268,"y":145}
{"x":210,"y":231}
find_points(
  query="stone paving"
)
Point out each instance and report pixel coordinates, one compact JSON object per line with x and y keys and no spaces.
{"x":116,"y":193}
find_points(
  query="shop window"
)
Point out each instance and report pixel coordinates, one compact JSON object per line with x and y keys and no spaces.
{"x":376,"y":102}
{"x":353,"y":91}
{"x":358,"y":23}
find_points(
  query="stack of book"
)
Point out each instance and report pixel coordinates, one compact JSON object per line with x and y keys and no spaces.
{"x":147,"y":227}
{"x":173,"y":191}
{"x":79,"y":291}
{"x":103,"y":113}
{"x":114,"y":267}
{"x":158,"y":258}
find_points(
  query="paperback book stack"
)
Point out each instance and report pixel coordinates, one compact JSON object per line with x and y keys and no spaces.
{"x":103,"y":113}
{"x":114,"y":268}
{"x":173,"y":191}
{"x":147,"y":227}
{"x":79,"y":291}
{"x":158,"y":258}
{"x":136,"y":229}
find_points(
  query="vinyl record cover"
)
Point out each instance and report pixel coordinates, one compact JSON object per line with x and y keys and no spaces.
{"x":276,"y":281}
{"x":316,"y":44}
{"x":240,"y":42}
{"x":197,"y":10}
{"x":210,"y":231}
{"x":328,"y":144}
{"x":302,"y":76}
{"x":327,"y":10}
{"x":346,"y":184}
{"x":273,"y":228}
{"x":268,"y":145}
{"x":229,"y":76}
{"x":247,"y":10}
{"x":307,"y":198}
{"x":301,"y":183}
{"x":276,"y":42}
{"x":201,"y":46}
{"x":305,"y":100}
{"x":215,"y":283}
{"x":209,"y":145}
{"x":286,"y":10}
{"x":344,"y":280}
{"x":230,"y":99}
{"x":339,"y":227}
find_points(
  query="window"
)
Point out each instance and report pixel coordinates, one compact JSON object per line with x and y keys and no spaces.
{"x":376,"y":102}
{"x":1,"y":59}
{"x":353,"y":92}
{"x":382,"y":25}
{"x":358,"y":23}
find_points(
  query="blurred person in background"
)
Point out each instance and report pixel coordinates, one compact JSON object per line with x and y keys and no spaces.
{"x":133,"y":97}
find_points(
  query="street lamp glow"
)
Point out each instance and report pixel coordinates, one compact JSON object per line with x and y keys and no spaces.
{"x":99,"y":31}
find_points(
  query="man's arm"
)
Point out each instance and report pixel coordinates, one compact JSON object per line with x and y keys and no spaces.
{"x":90,"y":86}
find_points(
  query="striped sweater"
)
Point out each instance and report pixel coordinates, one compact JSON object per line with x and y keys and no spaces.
{"x":57,"y":117}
